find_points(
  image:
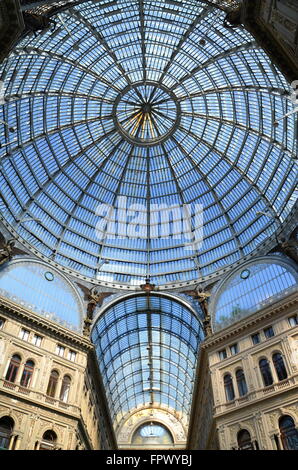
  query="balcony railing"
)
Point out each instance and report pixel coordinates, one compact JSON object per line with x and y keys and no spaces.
{"x":39,"y":397}
{"x":257,"y":394}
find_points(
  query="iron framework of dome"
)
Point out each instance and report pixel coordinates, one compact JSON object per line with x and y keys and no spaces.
{"x":156,"y":102}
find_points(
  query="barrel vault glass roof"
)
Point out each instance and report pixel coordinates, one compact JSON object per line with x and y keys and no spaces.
{"x":146,"y":348}
{"x":155,"y":101}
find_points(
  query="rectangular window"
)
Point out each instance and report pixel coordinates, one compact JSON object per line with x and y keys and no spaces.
{"x":24,"y":334}
{"x":234,"y":349}
{"x":222,"y":354}
{"x":36,"y":340}
{"x":269,"y":332}
{"x":60,"y":350}
{"x":2,"y":321}
{"x":293,"y":321}
{"x":72,"y":355}
{"x":256,"y":338}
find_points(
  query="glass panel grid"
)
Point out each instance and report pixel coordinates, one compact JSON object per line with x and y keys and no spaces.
{"x":146,"y":349}
{"x":73,"y":149}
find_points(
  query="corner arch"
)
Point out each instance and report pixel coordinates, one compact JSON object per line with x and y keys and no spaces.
{"x":31,"y":284}
{"x":251,"y":287}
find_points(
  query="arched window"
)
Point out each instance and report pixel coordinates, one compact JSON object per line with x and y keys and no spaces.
{"x":13,"y":368}
{"x":244,"y":440}
{"x":48,"y":441}
{"x":151,"y":435}
{"x":64,"y":392}
{"x":280,"y":367}
{"x":266,"y":372}
{"x":241,"y":383}
{"x":52,"y":386}
{"x":6,"y":428}
{"x":289,"y":434}
{"x":229,"y":388}
{"x":27,"y":374}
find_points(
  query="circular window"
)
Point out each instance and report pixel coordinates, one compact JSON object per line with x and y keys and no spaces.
{"x":245,"y":274}
{"x":146,"y":113}
{"x":49,"y":276}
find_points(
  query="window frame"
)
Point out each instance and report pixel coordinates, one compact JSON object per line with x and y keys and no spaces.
{"x":266,"y":330}
{"x":241,"y":383}
{"x":27,"y":374}
{"x":222,"y":354}
{"x":295,"y":318}
{"x":72,"y":355}
{"x":65,"y":388}
{"x":266,"y":372}
{"x":6,"y":431}
{"x":24,"y":334}
{"x":60,"y":350}
{"x":53,"y":383}
{"x":13,"y":368}
{"x":37,"y":337}
{"x":244,"y":444}
{"x":287,"y":433}
{"x":256,"y":335}
{"x":279,"y":366}
{"x":234,"y":351}
{"x":229,"y":387}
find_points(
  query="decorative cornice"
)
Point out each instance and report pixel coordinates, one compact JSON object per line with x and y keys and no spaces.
{"x":251,"y":403}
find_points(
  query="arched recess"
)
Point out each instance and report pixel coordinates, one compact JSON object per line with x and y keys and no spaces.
{"x":146,"y":347}
{"x":6,"y":429}
{"x":143,"y":416}
{"x":152,"y":434}
{"x":46,"y":291}
{"x":249,"y":288}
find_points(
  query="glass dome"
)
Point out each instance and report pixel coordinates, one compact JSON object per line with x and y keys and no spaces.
{"x":157,"y":105}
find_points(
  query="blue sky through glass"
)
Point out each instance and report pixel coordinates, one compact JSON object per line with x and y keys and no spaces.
{"x":38,"y":288}
{"x":146,"y":349}
{"x":68,"y":155}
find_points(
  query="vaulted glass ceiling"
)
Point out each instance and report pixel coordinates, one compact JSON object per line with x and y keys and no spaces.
{"x":146,"y":347}
{"x":153,"y":101}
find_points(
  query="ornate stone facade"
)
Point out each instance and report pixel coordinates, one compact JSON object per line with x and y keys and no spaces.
{"x":258,"y":411}
{"x":81,"y":419}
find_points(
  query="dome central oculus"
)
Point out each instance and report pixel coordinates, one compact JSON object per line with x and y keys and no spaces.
{"x":146,"y":114}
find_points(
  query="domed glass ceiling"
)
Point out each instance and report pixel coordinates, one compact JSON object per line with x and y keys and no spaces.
{"x":157,"y":103}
